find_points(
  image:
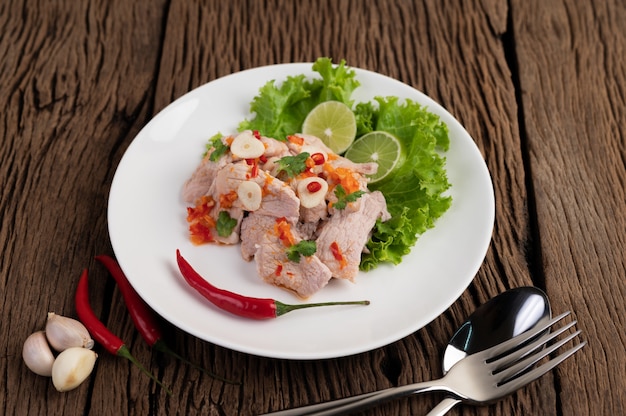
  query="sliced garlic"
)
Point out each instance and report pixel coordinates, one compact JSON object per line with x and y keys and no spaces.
{"x":250,"y":195}
{"x":37,"y":354}
{"x":246,"y":146}
{"x":72,"y":367}
{"x":310,"y":198}
{"x":63,"y":332}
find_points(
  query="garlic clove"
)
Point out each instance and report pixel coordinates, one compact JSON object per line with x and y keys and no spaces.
{"x":72,"y":367}
{"x":246,"y":146}
{"x":250,"y":195}
{"x":37,"y":354}
{"x":63,"y":332}
{"x":312,"y":191}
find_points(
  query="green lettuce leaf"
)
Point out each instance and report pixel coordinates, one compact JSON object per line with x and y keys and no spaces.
{"x":280,"y":110}
{"x":414,"y":191}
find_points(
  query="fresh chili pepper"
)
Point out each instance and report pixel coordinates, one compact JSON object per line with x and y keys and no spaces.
{"x":244,"y":306}
{"x":111,"y":342}
{"x":145,"y":319}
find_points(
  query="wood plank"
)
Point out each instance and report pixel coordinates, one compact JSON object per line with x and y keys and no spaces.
{"x":453,"y":53}
{"x":77,"y":80}
{"x":572,"y":75}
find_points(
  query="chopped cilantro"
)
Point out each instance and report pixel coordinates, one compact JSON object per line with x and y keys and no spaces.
{"x":225,"y":224}
{"x":293,"y":165}
{"x":303,"y":248}
{"x":343,"y":198}
{"x":219,"y":148}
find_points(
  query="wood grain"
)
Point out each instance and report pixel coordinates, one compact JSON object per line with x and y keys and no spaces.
{"x":540,"y":86}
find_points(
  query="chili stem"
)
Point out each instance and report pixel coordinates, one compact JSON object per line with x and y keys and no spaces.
{"x":125,"y":353}
{"x":283,"y":308}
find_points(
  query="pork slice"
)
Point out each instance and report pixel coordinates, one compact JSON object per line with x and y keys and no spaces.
{"x":260,"y":240}
{"x":315,"y":214}
{"x":279,"y":199}
{"x":227,"y":180}
{"x":201,"y":179}
{"x":274,"y":148}
{"x":368,"y":168}
{"x":349,"y":231}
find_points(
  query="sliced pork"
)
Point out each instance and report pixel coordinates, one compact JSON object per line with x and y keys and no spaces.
{"x":263,"y":237}
{"x":342,"y":238}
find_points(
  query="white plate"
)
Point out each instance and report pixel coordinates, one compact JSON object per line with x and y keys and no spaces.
{"x":147,"y":224}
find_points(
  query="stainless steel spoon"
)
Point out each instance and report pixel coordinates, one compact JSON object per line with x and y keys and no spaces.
{"x":501,"y":318}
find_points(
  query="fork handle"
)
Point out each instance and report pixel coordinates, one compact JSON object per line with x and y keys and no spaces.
{"x":351,"y":404}
{"x":444,"y":406}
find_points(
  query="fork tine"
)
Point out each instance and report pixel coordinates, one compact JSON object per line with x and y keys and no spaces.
{"x":514,"y":342}
{"x":512,"y":356}
{"x":530,"y":360}
{"x":521,"y":381}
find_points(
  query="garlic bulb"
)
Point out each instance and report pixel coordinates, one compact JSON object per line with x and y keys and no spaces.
{"x":72,"y":367}
{"x":37,"y":354}
{"x":63,"y":332}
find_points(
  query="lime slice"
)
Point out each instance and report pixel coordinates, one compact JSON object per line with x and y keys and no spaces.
{"x":334,"y":123}
{"x":377,"y":146}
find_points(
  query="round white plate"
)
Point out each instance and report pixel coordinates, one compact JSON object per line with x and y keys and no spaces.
{"x":147,"y":223}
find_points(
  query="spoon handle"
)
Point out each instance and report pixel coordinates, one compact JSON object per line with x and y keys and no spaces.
{"x":444,"y":406}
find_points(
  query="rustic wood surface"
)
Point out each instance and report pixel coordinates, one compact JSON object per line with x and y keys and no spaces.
{"x":540,"y":86}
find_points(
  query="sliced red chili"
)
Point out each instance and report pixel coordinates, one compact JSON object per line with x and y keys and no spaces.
{"x":313,"y":187}
{"x":337,"y":254}
{"x":318,"y":158}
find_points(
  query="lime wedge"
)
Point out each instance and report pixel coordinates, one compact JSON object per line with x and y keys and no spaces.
{"x":377,"y":146}
{"x":334,"y":123}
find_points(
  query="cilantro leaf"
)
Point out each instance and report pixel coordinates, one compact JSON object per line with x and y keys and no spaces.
{"x":292,"y":165}
{"x":303,"y":248}
{"x":343,"y":198}
{"x":225,"y":224}
{"x":217,"y":145}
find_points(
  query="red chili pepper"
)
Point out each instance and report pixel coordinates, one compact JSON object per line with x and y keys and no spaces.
{"x":313,"y":187}
{"x":111,"y":342}
{"x":318,"y":158}
{"x":244,"y":306}
{"x":145,"y":319}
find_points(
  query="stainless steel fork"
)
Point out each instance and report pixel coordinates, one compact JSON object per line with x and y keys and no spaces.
{"x":479,"y":378}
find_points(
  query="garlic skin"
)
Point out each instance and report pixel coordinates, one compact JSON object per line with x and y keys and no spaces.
{"x":72,"y":367}
{"x":37,"y":355}
{"x":63,"y":333}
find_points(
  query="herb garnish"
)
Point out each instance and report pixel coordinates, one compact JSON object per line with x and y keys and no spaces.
{"x":218,"y":146}
{"x":293,"y":165}
{"x":303,"y":248}
{"x":225,"y":224}
{"x":343,"y":198}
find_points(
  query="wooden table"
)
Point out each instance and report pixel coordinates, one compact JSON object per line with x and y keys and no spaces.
{"x":540,"y":86}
